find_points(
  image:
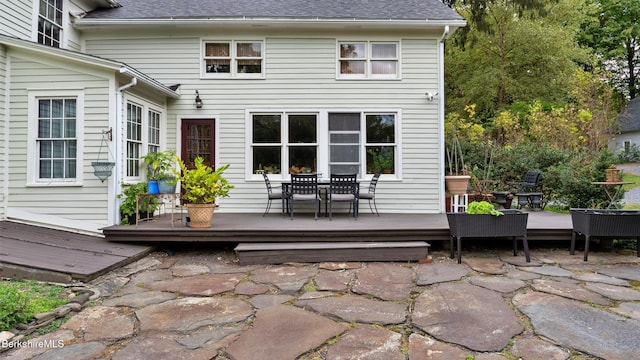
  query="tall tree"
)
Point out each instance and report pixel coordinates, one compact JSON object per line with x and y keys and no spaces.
{"x":613,"y":31}
{"x":476,"y":12}
{"x":517,"y":58}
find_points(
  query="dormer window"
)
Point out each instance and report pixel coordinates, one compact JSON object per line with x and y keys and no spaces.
{"x":50,"y":22}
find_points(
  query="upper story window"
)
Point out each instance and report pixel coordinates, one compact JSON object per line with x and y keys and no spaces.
{"x":233,"y":59}
{"x":368,"y":60}
{"x":50,"y":22}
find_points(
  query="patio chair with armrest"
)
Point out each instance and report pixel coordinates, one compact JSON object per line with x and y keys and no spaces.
{"x":343,"y":188}
{"x":527,"y":190}
{"x":530,"y":182}
{"x":304,"y":188}
{"x":272,"y":195}
{"x":370,"y":194}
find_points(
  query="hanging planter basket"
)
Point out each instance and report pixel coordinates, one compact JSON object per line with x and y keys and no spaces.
{"x":102,"y":170}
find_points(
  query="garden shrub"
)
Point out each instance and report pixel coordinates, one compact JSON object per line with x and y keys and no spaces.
{"x":21,"y":300}
{"x":628,"y":156}
{"x":566,"y":174}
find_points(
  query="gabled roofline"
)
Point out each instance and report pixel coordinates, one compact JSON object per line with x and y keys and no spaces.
{"x":88,"y":60}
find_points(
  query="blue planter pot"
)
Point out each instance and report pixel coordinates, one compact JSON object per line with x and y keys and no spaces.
{"x":167,"y":186}
{"x":152,"y":186}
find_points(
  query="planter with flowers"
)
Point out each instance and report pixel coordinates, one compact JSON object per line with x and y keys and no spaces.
{"x":201,"y":186}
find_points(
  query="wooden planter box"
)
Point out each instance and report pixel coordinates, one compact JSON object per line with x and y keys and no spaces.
{"x":604,"y":223}
{"x":512,"y":224}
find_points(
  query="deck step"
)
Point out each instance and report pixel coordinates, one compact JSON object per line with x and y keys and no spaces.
{"x":282,"y":252}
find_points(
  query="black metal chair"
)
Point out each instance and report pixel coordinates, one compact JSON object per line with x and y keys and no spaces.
{"x":343,"y":188}
{"x":272,"y":195}
{"x":530,"y":182}
{"x":370,"y":194}
{"x":304,"y":188}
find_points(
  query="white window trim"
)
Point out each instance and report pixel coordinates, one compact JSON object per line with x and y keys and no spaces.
{"x":65,"y":21}
{"x":368,"y":75}
{"x":146,"y":107}
{"x":233,"y":74}
{"x":323,"y":140}
{"x":32,"y":135}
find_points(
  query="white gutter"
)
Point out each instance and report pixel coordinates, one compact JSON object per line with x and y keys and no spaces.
{"x":119,"y":136}
{"x":84,"y":22}
{"x":445,"y":35}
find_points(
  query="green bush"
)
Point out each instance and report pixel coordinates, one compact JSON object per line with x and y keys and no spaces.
{"x":566,"y":174}
{"x":21,"y":300}
{"x":628,"y":156}
{"x":13,"y":307}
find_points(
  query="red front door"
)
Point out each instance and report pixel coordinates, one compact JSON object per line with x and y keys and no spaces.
{"x":198,"y":139}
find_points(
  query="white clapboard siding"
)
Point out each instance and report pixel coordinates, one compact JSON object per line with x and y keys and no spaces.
{"x":16,"y":18}
{"x":90,"y":201}
{"x":300,"y":74}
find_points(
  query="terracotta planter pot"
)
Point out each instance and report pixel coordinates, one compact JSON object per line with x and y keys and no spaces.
{"x":457,"y":184}
{"x":200,"y":215}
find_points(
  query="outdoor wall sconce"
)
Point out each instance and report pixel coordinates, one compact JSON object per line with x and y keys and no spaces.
{"x":431,"y":96}
{"x":198,"y":100}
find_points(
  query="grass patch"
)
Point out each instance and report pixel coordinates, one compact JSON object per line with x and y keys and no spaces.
{"x":631,"y":177}
{"x":21,"y":300}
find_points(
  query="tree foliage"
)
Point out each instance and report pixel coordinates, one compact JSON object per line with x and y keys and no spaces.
{"x":612,"y":30}
{"x":520,"y":56}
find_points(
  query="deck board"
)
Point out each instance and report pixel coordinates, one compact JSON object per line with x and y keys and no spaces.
{"x":81,"y":257}
{"x":252,"y":227}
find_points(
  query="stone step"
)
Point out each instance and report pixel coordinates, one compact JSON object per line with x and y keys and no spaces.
{"x":282,"y":252}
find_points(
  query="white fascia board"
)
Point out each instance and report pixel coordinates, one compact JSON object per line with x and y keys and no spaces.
{"x":426,"y":23}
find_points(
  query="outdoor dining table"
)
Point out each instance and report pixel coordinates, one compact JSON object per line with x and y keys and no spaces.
{"x":323,"y":187}
{"x":612,"y":189}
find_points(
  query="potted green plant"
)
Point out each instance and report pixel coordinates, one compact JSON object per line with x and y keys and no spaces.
{"x":482,"y":220}
{"x":159,"y":166}
{"x":201,"y":186}
{"x":129,"y":206}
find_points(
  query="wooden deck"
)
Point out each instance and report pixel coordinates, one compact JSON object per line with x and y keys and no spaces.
{"x":254,"y":228}
{"x":52,"y":255}
{"x":33,"y":252}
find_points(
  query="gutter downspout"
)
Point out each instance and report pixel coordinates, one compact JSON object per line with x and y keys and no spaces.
{"x":117,"y":178}
{"x":441,"y":186}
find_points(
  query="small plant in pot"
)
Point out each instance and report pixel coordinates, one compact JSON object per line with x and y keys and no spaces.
{"x":128,"y":203}
{"x":159,"y":166}
{"x":201,"y":186}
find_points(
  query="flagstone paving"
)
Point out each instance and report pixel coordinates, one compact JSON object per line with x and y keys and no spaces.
{"x":200,"y":304}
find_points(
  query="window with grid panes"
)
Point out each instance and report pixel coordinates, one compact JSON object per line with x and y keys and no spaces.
{"x":50,"y":22}
{"x":57,"y":139}
{"x":134,"y":139}
{"x":233,"y":58}
{"x":154,"y":131}
{"x":367,"y":59}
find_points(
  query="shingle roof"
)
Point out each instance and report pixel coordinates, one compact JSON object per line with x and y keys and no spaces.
{"x":322,"y":9}
{"x":629,"y":117}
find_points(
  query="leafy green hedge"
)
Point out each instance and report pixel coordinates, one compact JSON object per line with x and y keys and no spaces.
{"x":566,"y":175}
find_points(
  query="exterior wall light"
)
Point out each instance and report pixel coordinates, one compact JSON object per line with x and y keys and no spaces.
{"x":198,"y":100}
